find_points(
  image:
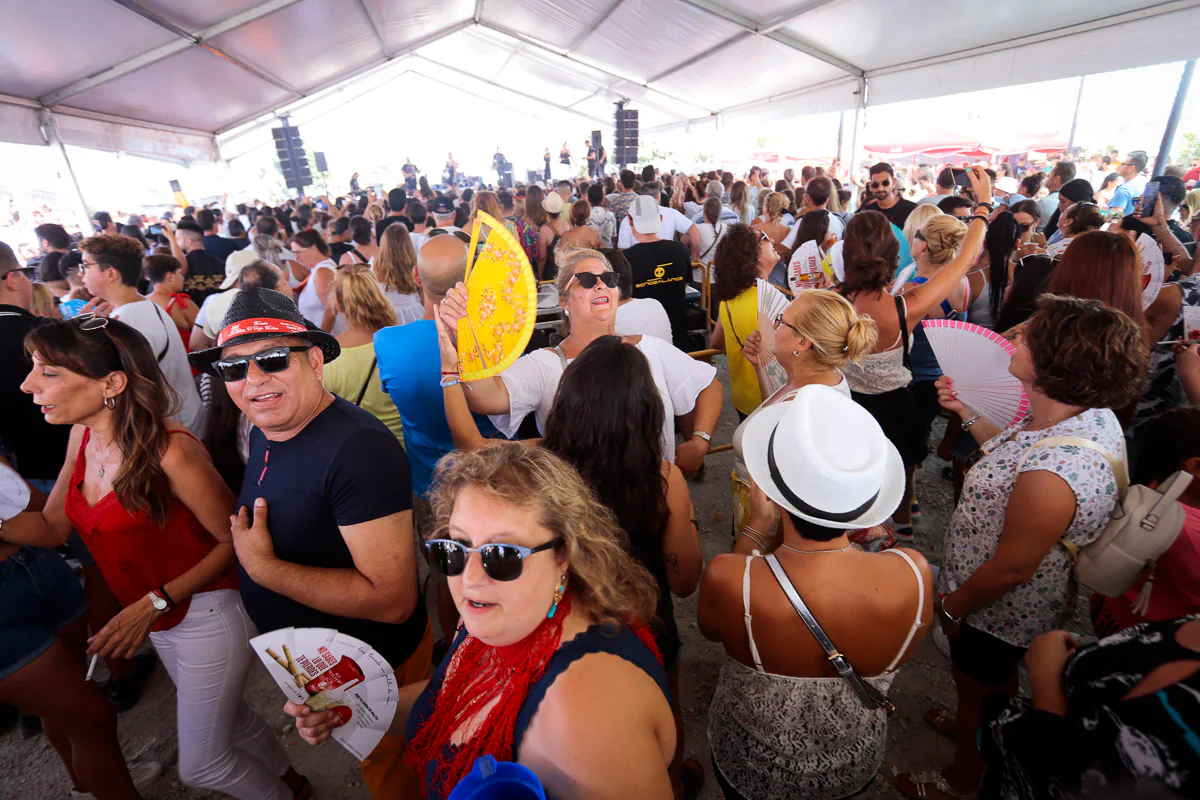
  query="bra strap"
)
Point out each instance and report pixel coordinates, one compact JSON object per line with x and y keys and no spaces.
{"x":916,"y":626}
{"x":746,"y":615}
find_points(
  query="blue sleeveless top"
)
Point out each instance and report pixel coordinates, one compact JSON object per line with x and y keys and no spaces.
{"x":620,"y":642}
{"x":924,"y":363}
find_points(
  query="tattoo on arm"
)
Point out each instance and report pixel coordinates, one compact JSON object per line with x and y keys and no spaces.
{"x":673,"y":561}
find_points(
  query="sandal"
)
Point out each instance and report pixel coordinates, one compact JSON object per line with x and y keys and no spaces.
{"x":942,"y":721}
{"x":305,"y":790}
{"x":921,"y":783}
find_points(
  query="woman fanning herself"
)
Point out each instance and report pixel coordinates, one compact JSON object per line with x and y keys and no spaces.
{"x":154,"y":513}
{"x":743,"y":256}
{"x":1005,"y":578}
{"x":587,"y":290}
{"x":551,"y":667}
{"x":881,"y":383}
{"x":606,"y":421}
{"x":783,"y":724}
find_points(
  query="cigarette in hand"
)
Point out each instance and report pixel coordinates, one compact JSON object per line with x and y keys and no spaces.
{"x":92,"y":667}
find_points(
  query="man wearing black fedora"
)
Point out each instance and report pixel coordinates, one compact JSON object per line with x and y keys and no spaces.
{"x":324,"y":528}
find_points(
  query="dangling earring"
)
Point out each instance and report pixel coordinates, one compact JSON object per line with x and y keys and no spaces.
{"x":110,"y":403}
{"x":558,"y":596}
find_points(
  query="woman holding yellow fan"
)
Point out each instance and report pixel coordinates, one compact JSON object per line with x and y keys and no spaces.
{"x":587,"y":288}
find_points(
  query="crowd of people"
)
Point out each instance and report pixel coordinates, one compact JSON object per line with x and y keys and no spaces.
{"x":149,"y":371}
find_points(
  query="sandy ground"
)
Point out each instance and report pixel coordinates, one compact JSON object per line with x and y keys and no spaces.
{"x":30,"y":770}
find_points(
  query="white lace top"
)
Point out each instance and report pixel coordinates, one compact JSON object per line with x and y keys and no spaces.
{"x":788,"y":738}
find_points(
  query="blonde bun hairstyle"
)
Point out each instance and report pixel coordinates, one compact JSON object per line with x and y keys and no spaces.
{"x":837,"y":331}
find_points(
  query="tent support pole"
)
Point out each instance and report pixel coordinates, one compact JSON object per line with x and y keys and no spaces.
{"x":1075,"y":117}
{"x":51,"y":135}
{"x":841,"y":133}
{"x":1164,"y":149}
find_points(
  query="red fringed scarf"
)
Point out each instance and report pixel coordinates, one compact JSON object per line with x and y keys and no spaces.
{"x":478,"y":675}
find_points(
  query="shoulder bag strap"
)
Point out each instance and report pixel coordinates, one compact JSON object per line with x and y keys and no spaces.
{"x":902,"y":314}
{"x":868,"y":695}
{"x":370,"y":374}
{"x":167,"y":345}
{"x":1115,"y":464}
{"x":361,"y":257}
{"x":716,"y":236}
{"x":733,"y":330}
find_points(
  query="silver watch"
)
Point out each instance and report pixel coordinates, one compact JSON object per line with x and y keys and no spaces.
{"x":159,"y":603}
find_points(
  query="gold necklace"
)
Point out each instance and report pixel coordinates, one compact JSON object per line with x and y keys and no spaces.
{"x":817,"y":552}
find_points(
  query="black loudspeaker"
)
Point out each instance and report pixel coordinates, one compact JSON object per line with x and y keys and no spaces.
{"x":293,"y":161}
{"x":625,"y":135}
{"x":596,"y":139}
{"x":532,"y":175}
{"x":322,"y":166}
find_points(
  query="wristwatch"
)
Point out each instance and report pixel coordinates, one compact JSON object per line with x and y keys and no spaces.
{"x":706,"y":437}
{"x":160,"y":603}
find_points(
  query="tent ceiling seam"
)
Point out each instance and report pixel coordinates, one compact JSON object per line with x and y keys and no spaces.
{"x":183,"y":42}
{"x":696,"y":59}
{"x":375,"y":29}
{"x":604,"y":15}
{"x":770,"y":31}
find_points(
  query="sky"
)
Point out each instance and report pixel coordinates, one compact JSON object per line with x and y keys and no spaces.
{"x":376,"y":132}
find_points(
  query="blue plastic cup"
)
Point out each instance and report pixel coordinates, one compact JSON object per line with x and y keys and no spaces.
{"x":490,"y":779}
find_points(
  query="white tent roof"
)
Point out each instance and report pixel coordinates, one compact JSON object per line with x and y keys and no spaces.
{"x":171,"y":79}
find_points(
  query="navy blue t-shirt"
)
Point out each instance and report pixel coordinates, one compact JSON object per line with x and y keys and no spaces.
{"x":344,"y":468}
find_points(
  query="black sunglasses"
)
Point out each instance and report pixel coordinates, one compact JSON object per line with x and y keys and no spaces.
{"x":881,"y":184}
{"x":276,"y":359}
{"x":501,"y":562}
{"x":88,"y":321}
{"x":588,"y":279}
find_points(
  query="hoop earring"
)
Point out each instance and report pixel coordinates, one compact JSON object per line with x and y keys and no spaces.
{"x":110,"y":403}
{"x":796,"y":353}
{"x":558,"y":596}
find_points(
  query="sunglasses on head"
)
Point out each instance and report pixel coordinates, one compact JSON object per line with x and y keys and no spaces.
{"x":88,"y":321}
{"x":588,"y":279}
{"x":275,"y":359}
{"x":501,"y":562}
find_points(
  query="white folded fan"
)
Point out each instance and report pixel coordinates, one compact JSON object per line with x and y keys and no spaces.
{"x":1154,"y":268}
{"x":977,"y":361}
{"x":14,"y":492}
{"x":771,"y":303}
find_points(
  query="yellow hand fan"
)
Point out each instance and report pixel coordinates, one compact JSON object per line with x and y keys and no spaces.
{"x":501,"y":304}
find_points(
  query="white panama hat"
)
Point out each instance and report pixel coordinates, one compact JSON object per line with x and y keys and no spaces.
{"x":824,"y":458}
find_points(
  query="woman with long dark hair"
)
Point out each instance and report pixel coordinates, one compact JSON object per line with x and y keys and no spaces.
{"x":744,"y":255}
{"x":881,"y":383}
{"x":155,"y":515}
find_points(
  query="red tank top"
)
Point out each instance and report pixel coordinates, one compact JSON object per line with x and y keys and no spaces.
{"x":134,"y":554}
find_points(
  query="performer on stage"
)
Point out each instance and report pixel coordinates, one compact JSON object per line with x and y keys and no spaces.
{"x":601,"y":161}
{"x":564,"y":155}
{"x":546,"y":174}
{"x":410,"y":175}
{"x":500,"y":164}
{"x":451,"y":172}
{"x":591,"y":158}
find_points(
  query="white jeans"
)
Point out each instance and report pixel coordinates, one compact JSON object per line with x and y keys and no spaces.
{"x":223,"y":745}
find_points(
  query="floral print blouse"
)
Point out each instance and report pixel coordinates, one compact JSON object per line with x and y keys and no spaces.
{"x":1047,"y":599}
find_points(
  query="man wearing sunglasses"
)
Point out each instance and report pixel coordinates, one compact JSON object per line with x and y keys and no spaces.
{"x":324,"y":528}
{"x":883,"y":196}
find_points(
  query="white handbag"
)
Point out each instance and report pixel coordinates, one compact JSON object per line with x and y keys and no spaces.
{"x":1145,"y":522}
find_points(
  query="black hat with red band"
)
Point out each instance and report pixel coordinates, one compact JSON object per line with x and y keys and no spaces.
{"x":258,"y":314}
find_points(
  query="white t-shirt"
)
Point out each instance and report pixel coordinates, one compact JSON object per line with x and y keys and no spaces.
{"x":159,"y":329}
{"x":643,"y":315}
{"x":533,"y":380}
{"x":710,"y":236}
{"x":309,"y":302}
{"x":408,"y":307}
{"x":418,"y":239}
{"x":837,"y":227}
{"x":672,"y":222}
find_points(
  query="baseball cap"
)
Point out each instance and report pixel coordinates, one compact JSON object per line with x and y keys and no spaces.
{"x":237,"y":261}
{"x":645,"y":215}
{"x":442,"y":205}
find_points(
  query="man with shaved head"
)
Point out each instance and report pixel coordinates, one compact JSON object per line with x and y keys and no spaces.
{"x":410,"y":365}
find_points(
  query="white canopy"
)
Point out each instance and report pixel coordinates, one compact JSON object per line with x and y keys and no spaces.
{"x":172,"y":79}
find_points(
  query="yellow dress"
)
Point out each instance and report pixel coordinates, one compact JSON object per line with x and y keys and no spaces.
{"x":345,"y":377}
{"x":739,"y":318}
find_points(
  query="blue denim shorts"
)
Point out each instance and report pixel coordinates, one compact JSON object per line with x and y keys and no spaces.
{"x":39,"y":596}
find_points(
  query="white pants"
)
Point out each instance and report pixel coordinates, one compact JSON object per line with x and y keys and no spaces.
{"x":223,"y":745}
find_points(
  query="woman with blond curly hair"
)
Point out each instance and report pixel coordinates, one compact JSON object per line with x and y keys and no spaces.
{"x":355,"y":374}
{"x":553,"y":667}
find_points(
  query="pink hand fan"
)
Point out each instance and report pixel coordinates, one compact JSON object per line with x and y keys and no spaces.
{"x":977,"y":360}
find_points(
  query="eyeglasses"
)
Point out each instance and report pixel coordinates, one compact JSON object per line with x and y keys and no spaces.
{"x":85,"y":265}
{"x":588,"y":279}
{"x":921,"y":236}
{"x":882,"y":184}
{"x":275,"y":359}
{"x":1025,"y":227}
{"x":779,"y":320}
{"x":88,"y":321}
{"x":501,"y":562}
